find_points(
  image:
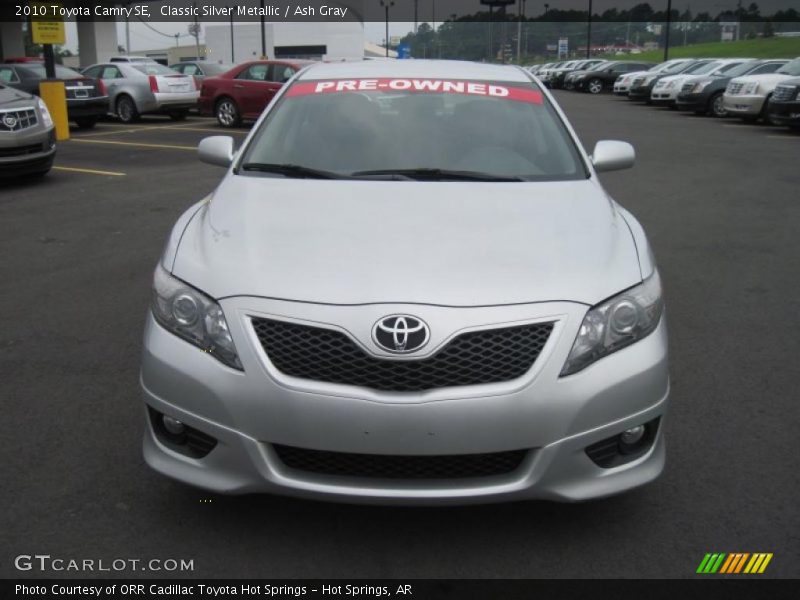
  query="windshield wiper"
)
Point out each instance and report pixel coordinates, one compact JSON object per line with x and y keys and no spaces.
{"x":440,"y":175}
{"x":296,"y":171}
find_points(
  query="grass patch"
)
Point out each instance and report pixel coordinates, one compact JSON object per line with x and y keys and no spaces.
{"x":774,"y":47}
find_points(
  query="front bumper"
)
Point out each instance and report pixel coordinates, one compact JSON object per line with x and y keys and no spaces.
{"x":554,"y":418}
{"x":641,"y":92}
{"x":785,"y":113}
{"x":663,"y":97}
{"x":691,"y":101}
{"x":30,"y":152}
{"x":742,"y":105}
{"x":621,"y":89}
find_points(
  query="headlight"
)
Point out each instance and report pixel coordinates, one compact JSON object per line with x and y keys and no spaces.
{"x":47,"y":119}
{"x":700,"y":86}
{"x":580,"y":77}
{"x":193,"y":316}
{"x":616,"y":323}
{"x":750,"y":88}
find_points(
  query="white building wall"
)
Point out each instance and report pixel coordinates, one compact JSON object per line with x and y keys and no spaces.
{"x":343,"y":40}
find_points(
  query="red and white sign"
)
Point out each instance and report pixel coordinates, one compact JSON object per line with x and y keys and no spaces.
{"x":428,"y":86}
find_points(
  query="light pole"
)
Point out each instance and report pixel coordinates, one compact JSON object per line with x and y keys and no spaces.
{"x":520,"y":15}
{"x":666,"y":37}
{"x":233,"y":60}
{"x":263,"y":33}
{"x":386,"y":4}
{"x":589,"y":33}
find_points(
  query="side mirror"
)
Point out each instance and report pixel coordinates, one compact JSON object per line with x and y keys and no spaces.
{"x":611,"y":155}
{"x":216,"y":150}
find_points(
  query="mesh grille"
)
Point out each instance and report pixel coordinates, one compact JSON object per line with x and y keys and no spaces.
{"x":783,"y":93}
{"x":472,"y":358}
{"x":17,"y":120}
{"x":379,"y":466}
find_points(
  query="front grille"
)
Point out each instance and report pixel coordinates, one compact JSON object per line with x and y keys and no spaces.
{"x":17,"y":120}
{"x":734,"y":88}
{"x":380,"y":466}
{"x":20,"y":150}
{"x":784,"y":93}
{"x":477,"y":357}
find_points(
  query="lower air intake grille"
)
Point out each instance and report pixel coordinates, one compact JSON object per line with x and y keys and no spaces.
{"x":379,"y":466}
{"x":477,"y":357}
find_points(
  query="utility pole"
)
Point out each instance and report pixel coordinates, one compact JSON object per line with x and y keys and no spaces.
{"x":416,"y":15}
{"x":386,"y":4}
{"x":666,"y":36}
{"x":232,"y":49}
{"x":519,"y":31}
{"x":196,"y":35}
{"x":589,"y":33}
{"x":263,"y":33}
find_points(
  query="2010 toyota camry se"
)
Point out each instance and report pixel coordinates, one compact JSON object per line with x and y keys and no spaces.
{"x":409,"y":287}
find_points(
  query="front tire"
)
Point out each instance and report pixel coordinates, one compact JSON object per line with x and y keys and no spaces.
{"x":716,"y":106}
{"x":595,"y":86}
{"x":126,"y":110}
{"x":227,"y":113}
{"x":765,"y":111}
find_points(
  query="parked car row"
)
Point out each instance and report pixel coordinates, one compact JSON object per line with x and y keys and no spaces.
{"x":748,"y":88}
{"x":130,"y":86}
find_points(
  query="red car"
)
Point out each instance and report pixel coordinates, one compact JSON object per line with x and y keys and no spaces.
{"x":244,"y":91}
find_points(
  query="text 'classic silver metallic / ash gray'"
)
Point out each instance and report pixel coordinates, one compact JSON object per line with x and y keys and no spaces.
{"x":409,"y":287}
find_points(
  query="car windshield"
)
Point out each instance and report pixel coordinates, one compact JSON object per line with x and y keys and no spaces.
{"x":153,"y":68}
{"x":216,"y":68}
{"x":727,"y":69}
{"x":790,"y":68}
{"x":706,"y":68}
{"x":606,"y":67}
{"x":676,"y":68}
{"x":695,"y":68}
{"x":434,"y":128}
{"x":61,"y":72}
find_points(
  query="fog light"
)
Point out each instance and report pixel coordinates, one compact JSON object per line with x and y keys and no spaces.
{"x":632,"y":436}
{"x":174,"y":426}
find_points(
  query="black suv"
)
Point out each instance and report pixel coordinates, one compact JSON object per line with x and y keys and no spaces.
{"x":603,"y":77}
{"x":784,"y":104}
{"x":705,"y":96}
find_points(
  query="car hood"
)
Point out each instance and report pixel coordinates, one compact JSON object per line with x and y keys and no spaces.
{"x":767,"y":79}
{"x":9,"y":97}
{"x":445,"y":243}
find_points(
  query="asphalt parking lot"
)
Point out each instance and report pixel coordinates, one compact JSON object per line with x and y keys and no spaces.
{"x":721,"y":203}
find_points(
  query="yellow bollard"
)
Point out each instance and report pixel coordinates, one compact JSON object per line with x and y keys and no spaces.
{"x":55,"y":97}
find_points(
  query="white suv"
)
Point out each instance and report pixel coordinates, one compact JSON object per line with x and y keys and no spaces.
{"x":666,"y":90}
{"x":747,"y":97}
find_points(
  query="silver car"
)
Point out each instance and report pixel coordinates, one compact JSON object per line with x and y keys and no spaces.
{"x":410,"y":287}
{"x":27,"y":134}
{"x":141,"y":87}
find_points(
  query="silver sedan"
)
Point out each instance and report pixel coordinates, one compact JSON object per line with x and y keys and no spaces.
{"x":141,"y":87}
{"x":409,"y":287}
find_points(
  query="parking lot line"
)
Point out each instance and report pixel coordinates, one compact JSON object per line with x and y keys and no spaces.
{"x":89,"y":171}
{"x":116,"y":131}
{"x":219,"y":131}
{"x":134,"y":144}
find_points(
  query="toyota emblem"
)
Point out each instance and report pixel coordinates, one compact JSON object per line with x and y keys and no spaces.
{"x":400,"y":334}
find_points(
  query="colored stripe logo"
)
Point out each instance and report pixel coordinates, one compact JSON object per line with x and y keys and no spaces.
{"x":734,"y":563}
